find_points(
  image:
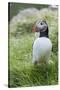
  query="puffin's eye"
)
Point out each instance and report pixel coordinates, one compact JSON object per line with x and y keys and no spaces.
{"x":41,"y":23}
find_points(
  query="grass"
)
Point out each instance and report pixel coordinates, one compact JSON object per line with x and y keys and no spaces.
{"x":16,"y":7}
{"x":21,"y":70}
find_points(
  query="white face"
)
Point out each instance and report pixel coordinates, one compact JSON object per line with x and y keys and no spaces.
{"x":41,"y":26}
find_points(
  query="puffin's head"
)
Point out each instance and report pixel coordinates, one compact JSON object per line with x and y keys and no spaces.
{"x":42,"y":27}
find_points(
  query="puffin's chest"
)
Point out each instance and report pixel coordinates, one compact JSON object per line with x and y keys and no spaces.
{"x":41,"y":48}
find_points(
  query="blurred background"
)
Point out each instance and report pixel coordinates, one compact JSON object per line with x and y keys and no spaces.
{"x":21,"y":17}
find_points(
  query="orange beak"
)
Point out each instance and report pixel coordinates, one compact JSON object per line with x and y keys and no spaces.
{"x":33,"y":28}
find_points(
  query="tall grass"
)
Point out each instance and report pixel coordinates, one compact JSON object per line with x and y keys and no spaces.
{"x":21,"y":70}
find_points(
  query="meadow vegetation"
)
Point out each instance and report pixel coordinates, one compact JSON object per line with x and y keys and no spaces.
{"x":21,"y":70}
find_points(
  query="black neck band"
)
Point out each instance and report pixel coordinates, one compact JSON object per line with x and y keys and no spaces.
{"x":44,"y":34}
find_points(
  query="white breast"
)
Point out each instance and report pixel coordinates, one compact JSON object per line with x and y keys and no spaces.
{"x":41,"y":49}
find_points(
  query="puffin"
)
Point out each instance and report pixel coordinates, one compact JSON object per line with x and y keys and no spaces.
{"x":42,"y":45}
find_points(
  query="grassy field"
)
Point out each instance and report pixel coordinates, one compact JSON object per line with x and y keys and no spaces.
{"x":16,"y":7}
{"x":21,"y":70}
